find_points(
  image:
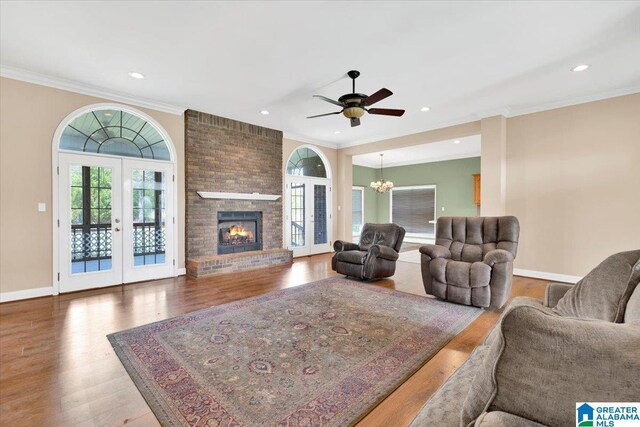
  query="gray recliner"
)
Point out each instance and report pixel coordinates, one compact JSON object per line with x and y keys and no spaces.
{"x":472,"y":260}
{"x":374,"y":257}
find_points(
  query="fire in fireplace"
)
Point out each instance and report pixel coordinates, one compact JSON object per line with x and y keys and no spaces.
{"x":239,"y":232}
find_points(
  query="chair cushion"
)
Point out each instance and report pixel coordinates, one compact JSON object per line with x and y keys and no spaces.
{"x":603,"y":293}
{"x":461,"y":282}
{"x":566,"y":360}
{"x":390,"y":235}
{"x":352,"y":257}
{"x":460,"y":274}
{"x":470,"y":238}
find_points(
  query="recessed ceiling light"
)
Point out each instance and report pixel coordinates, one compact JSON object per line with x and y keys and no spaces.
{"x":580,"y":67}
{"x":136,"y":75}
{"x":264,"y":112}
{"x":424,"y":109}
{"x":457,"y":141}
{"x":337,"y":132}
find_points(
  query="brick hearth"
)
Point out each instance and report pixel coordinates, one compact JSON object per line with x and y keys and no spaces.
{"x":225,"y":155}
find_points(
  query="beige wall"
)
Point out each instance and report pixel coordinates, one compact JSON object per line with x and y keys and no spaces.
{"x":493,"y":158}
{"x":29,"y":116}
{"x":573,"y":180}
{"x":288,"y":147}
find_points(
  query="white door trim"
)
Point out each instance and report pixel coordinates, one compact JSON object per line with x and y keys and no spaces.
{"x":55,"y":161}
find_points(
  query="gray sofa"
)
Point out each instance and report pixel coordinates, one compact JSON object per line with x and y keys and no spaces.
{"x":581,"y":344}
{"x":472,"y":260}
{"x":374,"y":257}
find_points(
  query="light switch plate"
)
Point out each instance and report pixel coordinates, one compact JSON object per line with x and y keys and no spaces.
{"x":42,"y":207}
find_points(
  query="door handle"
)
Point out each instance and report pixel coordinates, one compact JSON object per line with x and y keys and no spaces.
{"x":117,"y":229}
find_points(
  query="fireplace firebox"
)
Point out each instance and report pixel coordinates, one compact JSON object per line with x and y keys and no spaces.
{"x":239,"y":232}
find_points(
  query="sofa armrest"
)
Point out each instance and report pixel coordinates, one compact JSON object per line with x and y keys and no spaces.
{"x":435,"y":251}
{"x":384,"y":252}
{"x":341,"y":245}
{"x":496,"y":256}
{"x":554,"y":292}
{"x":555,"y":352}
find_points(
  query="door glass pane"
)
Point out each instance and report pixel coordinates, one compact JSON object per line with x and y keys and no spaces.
{"x":148,"y":191}
{"x":320,"y":214}
{"x":90,"y":218}
{"x":297,"y":215}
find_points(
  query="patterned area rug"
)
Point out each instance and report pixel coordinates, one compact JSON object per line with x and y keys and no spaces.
{"x":322,"y":354}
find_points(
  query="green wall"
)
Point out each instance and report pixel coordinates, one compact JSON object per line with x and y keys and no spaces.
{"x":453,"y":180}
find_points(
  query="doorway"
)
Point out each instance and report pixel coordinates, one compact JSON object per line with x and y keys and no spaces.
{"x":308,"y":203}
{"x":114,"y":200}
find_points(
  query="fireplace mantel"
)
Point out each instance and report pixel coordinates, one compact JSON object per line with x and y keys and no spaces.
{"x":238,"y":196}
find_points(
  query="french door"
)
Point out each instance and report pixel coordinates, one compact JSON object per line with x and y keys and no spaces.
{"x":115,"y":221}
{"x":308,"y":215}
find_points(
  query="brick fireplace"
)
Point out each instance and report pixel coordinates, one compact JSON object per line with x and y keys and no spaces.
{"x":226,"y":156}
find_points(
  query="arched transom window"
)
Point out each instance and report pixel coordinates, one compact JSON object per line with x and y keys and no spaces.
{"x":306,"y":162}
{"x":114,"y":132}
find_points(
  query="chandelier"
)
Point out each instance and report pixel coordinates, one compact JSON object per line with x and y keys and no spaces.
{"x":381,"y":186}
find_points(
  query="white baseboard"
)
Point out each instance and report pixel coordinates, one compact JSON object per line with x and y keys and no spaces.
{"x":181,"y":271}
{"x":547,"y":276}
{"x":27,"y":293}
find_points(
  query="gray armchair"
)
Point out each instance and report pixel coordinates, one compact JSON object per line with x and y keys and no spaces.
{"x":374,"y":256}
{"x":472,"y":260}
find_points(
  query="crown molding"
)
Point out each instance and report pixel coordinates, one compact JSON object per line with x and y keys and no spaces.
{"x":507,"y":111}
{"x":68,"y":85}
{"x":302,"y":139}
{"x":521,"y":111}
{"x":419,"y":162}
{"x":439,"y":125}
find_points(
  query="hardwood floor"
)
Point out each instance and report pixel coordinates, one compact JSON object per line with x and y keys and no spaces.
{"x":58,"y":369}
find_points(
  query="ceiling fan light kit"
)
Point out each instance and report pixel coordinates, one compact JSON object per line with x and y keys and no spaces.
{"x":354,"y":104}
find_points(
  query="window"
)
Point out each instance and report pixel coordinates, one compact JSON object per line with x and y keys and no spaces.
{"x":413,"y":208}
{"x":306,"y":162}
{"x":114,"y":132}
{"x":357,"y":204}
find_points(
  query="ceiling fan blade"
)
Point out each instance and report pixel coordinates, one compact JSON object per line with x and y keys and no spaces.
{"x":386,"y":111}
{"x":355,"y":122}
{"x":325,"y":114}
{"x":378,"y":96}
{"x":329,"y":100}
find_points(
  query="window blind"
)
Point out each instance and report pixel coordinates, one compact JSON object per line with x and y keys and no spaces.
{"x":413,"y":209}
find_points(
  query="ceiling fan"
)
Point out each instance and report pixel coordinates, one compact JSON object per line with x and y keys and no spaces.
{"x":354,"y":104}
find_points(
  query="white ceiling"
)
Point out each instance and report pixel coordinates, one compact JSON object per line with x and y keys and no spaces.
{"x":463,"y":59}
{"x":424,"y":153}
